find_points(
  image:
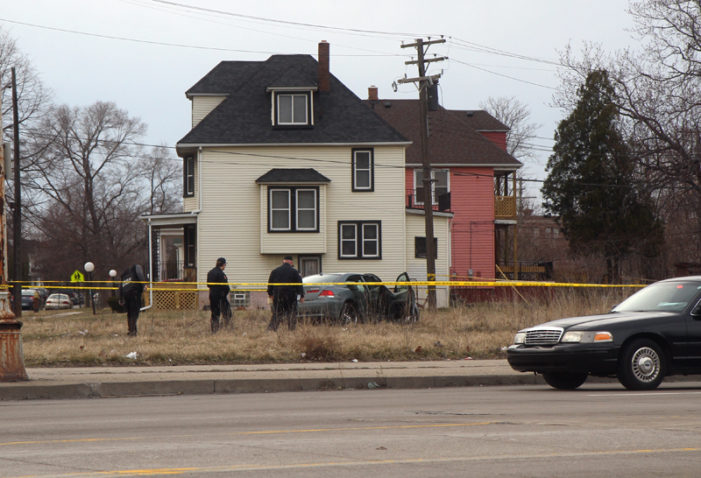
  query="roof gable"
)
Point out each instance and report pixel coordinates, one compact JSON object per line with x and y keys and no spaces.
{"x":245,"y":116}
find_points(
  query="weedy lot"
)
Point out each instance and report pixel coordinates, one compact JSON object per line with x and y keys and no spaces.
{"x":480,"y":331}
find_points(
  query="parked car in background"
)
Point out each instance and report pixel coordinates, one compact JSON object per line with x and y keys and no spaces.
{"x":32,"y":299}
{"x":349,"y":297}
{"x":654,"y":333}
{"x":59,"y":301}
{"x":76,"y":297}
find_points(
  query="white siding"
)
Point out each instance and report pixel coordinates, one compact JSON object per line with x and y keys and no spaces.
{"x":232,"y":222}
{"x":203,"y":105}
{"x":416,"y":227}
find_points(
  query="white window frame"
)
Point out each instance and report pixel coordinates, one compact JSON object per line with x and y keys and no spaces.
{"x":294,"y":98}
{"x":272,"y":209}
{"x":342,"y":240}
{"x":364,"y":240}
{"x":189,"y":186}
{"x":359,"y":239}
{"x":420,"y":200}
{"x":370,"y":169}
{"x":314,"y":209}
{"x":293,"y":209}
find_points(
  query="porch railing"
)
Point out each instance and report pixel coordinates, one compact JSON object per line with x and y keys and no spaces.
{"x":505,"y":207}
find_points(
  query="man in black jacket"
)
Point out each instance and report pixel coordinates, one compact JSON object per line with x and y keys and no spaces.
{"x":285,"y":296}
{"x":219,"y":290}
{"x":130,"y":290}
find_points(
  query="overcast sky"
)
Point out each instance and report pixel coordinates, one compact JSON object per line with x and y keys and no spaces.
{"x":144,"y":54}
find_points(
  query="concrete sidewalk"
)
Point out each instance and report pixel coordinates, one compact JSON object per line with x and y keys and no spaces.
{"x":104,"y":382}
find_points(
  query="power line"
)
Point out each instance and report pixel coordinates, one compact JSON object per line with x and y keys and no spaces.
{"x":495,"y":51}
{"x":168,"y":44}
{"x":290,"y":23}
{"x":501,"y":74}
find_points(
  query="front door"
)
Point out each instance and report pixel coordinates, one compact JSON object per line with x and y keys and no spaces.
{"x":309,"y":265}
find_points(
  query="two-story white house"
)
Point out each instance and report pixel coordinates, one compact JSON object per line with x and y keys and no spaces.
{"x":282,"y":158}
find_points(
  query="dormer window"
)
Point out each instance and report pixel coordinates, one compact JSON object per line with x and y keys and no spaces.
{"x":292,"y":107}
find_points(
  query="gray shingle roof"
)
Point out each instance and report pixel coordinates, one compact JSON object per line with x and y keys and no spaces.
{"x":282,"y":175}
{"x":453,"y":140}
{"x":244,"y":117}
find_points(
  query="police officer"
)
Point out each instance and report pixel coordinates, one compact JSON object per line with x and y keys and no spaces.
{"x":284,"y":297}
{"x":219,"y":290}
{"x":130,"y":290}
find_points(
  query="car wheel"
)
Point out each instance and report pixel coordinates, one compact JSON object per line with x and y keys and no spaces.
{"x":642,"y":365}
{"x":564,"y":380}
{"x":349,"y":314}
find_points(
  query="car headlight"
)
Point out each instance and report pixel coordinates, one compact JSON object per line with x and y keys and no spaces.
{"x":585,"y":337}
{"x":520,"y":338}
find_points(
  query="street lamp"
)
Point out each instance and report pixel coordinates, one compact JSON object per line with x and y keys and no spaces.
{"x":113,"y":274}
{"x":89,"y":268}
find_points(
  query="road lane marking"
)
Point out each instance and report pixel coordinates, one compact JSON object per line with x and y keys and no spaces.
{"x":258,"y":432}
{"x":340,"y":464}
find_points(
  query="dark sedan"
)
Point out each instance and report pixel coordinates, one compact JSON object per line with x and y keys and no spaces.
{"x":654,"y":333}
{"x":349,"y":297}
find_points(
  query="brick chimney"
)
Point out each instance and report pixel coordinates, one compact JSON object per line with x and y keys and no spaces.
{"x":324,"y":75}
{"x":372,"y":93}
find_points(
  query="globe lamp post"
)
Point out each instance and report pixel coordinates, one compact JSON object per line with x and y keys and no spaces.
{"x":89,"y":268}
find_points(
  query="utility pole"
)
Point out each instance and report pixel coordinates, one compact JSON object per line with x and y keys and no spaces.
{"x":11,"y":358}
{"x":424,"y":82}
{"x":17,"y":212}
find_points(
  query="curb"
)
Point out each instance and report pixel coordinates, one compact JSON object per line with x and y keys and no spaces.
{"x":152,"y":388}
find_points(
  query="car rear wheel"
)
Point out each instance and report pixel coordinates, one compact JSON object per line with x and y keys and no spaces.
{"x":642,"y":365}
{"x":349,"y":314}
{"x":564,"y":380}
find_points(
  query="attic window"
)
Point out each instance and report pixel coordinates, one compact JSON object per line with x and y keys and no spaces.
{"x":292,"y":109}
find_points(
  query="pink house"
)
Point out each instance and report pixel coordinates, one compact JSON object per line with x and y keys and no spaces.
{"x":473,"y":177}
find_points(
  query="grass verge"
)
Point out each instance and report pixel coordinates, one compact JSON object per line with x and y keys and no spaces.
{"x":480,"y":331}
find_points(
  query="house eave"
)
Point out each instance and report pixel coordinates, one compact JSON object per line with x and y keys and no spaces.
{"x":497,"y":167}
{"x":421,"y":212}
{"x":170,"y":219}
{"x":192,"y":95}
{"x":193,"y":146}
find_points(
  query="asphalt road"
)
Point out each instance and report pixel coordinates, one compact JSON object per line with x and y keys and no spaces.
{"x":598,"y":430}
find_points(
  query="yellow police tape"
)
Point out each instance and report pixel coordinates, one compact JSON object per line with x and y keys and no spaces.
{"x":261,"y":286}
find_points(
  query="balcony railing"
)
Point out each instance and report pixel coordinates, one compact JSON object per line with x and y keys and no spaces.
{"x":505,"y":207}
{"x":414,"y":202}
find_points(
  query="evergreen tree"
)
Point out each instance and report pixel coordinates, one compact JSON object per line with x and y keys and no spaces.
{"x":591,"y":183}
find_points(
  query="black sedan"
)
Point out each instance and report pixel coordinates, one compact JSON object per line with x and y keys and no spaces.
{"x":654,"y":333}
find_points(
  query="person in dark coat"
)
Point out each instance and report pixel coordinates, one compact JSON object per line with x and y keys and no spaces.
{"x":130,"y":290}
{"x":285,"y":297}
{"x":219,"y":290}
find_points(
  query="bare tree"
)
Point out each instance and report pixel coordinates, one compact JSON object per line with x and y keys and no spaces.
{"x":515,"y":115}
{"x":163,"y":174}
{"x":659,"y":92}
{"x":31,"y":94}
{"x":86,"y":184}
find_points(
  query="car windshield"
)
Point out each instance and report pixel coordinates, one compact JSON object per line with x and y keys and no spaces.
{"x":662,"y":296}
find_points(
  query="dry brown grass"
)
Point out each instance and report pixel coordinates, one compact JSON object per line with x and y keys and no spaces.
{"x":480,"y":331}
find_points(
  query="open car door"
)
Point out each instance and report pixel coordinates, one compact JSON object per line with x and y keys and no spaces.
{"x":403,"y":306}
